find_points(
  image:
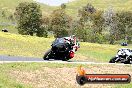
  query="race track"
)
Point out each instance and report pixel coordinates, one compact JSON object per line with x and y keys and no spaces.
{"x":18,"y":58}
{"x":14,"y":59}
{"x":11,"y":59}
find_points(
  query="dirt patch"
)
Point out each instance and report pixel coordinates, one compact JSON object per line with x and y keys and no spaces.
{"x":65,"y":77}
{"x":79,"y":57}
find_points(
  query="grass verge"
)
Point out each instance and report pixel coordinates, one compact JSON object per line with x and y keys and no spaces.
{"x":55,"y":75}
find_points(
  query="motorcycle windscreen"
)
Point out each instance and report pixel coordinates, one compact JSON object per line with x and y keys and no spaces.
{"x":59,"y":45}
{"x":58,"y":41}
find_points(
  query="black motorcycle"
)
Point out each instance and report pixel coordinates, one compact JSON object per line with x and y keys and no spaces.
{"x":62,"y":49}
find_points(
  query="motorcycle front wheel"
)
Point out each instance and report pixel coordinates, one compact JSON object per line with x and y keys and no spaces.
{"x":112,"y":60}
{"x":47,"y":55}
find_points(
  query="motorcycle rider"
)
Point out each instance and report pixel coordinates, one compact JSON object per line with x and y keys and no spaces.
{"x":73,"y":40}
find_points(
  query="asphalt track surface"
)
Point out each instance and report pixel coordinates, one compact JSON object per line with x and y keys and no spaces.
{"x":11,"y":59}
{"x":18,"y":59}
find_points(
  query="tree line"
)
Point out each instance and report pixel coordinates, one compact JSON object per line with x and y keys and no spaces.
{"x":91,"y":25}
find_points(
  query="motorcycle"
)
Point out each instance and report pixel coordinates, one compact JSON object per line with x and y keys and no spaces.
{"x":62,"y":49}
{"x":123,"y":55}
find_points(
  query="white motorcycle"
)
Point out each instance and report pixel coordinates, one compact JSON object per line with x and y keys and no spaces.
{"x":123,"y":55}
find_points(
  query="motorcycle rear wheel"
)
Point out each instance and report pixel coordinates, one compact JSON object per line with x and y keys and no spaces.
{"x":129,"y":61}
{"x":65,"y":59}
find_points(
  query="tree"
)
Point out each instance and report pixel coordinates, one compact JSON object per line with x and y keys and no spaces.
{"x":78,"y":30}
{"x":82,"y":27}
{"x":11,"y":17}
{"x":111,"y":22}
{"x":125,"y":25}
{"x":90,"y":25}
{"x":60,"y":22}
{"x":3,"y":14}
{"x":98,"y":22}
{"x":29,"y":18}
{"x":86,"y":12}
{"x":63,"y":6}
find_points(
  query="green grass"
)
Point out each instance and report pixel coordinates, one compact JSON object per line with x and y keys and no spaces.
{"x":11,"y":29}
{"x":32,"y":46}
{"x":99,"y":52}
{"x":123,"y":86}
{"x":18,"y":45}
{"x":36,"y":66}
{"x":6,"y":81}
{"x":8,"y":24}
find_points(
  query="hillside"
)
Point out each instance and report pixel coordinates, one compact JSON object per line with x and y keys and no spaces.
{"x":9,"y":5}
{"x":72,"y":7}
{"x":118,"y":5}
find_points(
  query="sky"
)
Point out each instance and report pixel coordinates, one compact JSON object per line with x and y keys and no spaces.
{"x":53,"y":2}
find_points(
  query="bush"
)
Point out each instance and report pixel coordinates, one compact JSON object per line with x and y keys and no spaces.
{"x":42,"y":32}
